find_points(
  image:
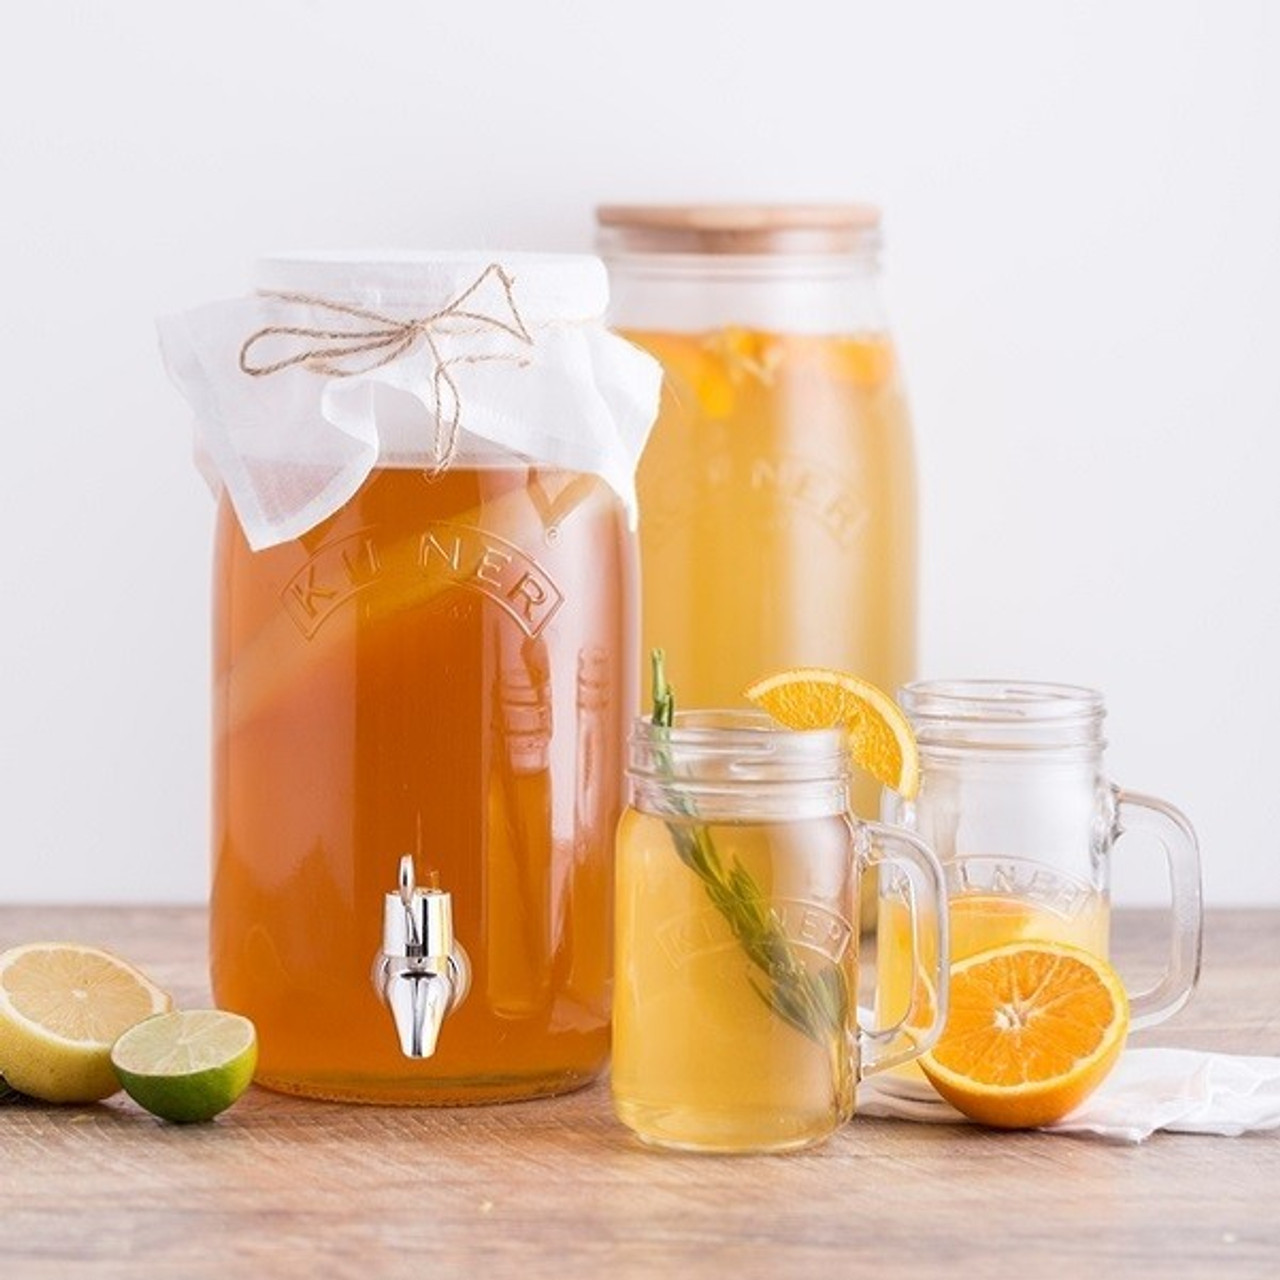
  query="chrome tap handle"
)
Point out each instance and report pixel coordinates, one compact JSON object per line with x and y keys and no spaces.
{"x":422,"y":972}
{"x":407,"y":891}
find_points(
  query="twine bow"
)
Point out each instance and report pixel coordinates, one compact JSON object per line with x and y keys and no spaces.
{"x":337,"y":352}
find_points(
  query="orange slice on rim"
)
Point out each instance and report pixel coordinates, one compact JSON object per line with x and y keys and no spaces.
{"x":880,"y":737}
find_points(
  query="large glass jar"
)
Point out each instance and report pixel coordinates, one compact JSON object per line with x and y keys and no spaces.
{"x":422,"y":675}
{"x":420,"y":700}
{"x":777,"y":490}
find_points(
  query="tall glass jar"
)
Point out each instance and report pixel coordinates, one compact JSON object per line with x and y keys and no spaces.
{"x":419,"y":701}
{"x":777,"y":490}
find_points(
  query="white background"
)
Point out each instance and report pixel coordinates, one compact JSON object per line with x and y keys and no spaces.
{"x":1083,"y":215}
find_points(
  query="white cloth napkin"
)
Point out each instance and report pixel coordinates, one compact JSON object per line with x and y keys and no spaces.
{"x":340,"y":364}
{"x":1178,"y":1090}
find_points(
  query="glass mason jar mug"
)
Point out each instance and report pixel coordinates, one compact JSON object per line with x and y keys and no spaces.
{"x":735,"y":1021}
{"x":1014,"y":801}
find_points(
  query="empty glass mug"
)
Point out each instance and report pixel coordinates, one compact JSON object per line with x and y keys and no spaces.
{"x":1014,"y":801}
{"x":735,"y":1007}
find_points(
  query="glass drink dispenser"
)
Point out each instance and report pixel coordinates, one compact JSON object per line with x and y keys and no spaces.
{"x":423,"y":666}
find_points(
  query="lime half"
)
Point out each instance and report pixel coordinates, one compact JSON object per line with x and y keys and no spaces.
{"x":188,"y":1066}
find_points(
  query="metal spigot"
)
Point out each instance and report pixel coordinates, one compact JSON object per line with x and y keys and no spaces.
{"x":421,"y":972}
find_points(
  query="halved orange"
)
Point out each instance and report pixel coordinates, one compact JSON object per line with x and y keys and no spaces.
{"x":881,"y":740}
{"x":1033,"y":1029}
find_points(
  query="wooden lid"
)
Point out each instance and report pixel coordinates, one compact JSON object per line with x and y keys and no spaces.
{"x":738,"y":228}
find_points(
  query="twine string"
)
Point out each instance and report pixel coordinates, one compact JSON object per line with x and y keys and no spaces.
{"x":335,"y":352}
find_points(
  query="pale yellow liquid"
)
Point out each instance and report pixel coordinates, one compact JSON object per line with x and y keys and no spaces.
{"x":700,"y":1060}
{"x":777,"y":513}
{"x":978,"y":921}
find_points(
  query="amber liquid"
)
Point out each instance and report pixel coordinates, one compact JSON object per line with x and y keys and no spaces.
{"x":777,"y":513}
{"x":700,"y":1060}
{"x":417,"y":675}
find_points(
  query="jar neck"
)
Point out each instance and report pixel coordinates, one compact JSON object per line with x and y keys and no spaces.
{"x":1005,"y":720}
{"x":735,"y":766}
{"x":824,"y":294}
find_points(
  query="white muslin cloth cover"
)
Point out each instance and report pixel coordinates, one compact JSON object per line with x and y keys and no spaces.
{"x":341,"y":363}
{"x":1178,"y":1090}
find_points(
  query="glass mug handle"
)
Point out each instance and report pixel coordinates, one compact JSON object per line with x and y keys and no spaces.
{"x":883,"y":1047}
{"x":1154,"y":817}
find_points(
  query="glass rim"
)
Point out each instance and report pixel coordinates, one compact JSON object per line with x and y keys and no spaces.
{"x":1001,"y":700}
{"x":758,"y":232}
{"x":710,"y":727}
{"x":797,"y":266}
{"x":1004,"y":716}
{"x":722,"y":756}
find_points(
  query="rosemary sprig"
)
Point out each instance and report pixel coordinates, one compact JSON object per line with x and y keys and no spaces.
{"x":814,"y":1004}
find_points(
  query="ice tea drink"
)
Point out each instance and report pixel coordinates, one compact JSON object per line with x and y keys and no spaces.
{"x":739,"y":868}
{"x":433,"y":671}
{"x":777,"y":512}
{"x":699,"y":1056}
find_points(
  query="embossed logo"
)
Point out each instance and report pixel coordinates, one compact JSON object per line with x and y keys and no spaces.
{"x":330,"y":578}
{"x":489,"y":564}
{"x":1022,"y":879}
{"x":1016,"y":878}
{"x":819,"y":492}
{"x":445,"y":555}
{"x":805,"y":924}
{"x":779,"y":482}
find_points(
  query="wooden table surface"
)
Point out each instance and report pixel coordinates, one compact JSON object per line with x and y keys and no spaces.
{"x":280,"y":1187}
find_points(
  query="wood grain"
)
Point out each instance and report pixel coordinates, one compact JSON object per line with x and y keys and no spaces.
{"x":281,"y":1187}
